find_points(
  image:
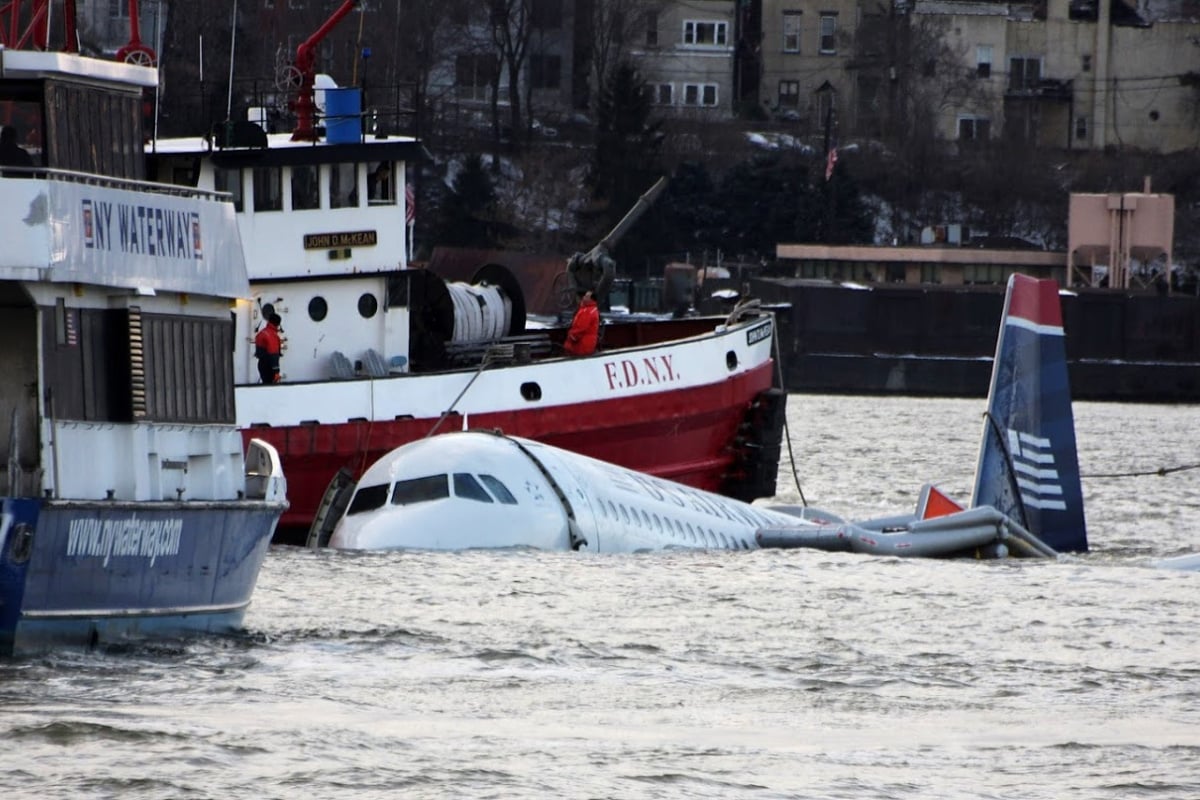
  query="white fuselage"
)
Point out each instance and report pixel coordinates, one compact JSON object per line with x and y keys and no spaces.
{"x":483,"y":490}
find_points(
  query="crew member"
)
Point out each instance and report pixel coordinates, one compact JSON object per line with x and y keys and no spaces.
{"x":585,"y":328}
{"x":268,"y":348}
{"x":11,"y":153}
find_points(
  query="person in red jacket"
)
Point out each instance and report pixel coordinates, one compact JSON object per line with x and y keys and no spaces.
{"x":585,"y":328}
{"x":268,"y":348}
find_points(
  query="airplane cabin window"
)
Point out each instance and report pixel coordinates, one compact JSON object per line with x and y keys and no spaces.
{"x":368,"y":498}
{"x":499,"y":489}
{"x":466,"y":486}
{"x":419,"y":490}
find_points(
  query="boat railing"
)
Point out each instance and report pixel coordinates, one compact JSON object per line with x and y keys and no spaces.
{"x":108,"y":182}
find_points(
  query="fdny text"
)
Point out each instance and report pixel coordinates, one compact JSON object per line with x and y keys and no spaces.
{"x":652,"y":371}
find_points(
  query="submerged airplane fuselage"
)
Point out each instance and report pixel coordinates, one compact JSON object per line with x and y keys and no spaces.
{"x":476,"y":489}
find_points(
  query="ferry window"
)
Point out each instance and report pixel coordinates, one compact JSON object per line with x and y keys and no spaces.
{"x":499,"y":489}
{"x":343,"y":191}
{"x":724,"y":541}
{"x":624,"y":514}
{"x":318,"y":309}
{"x":658,"y":523}
{"x":305,"y":193}
{"x":367,"y":498}
{"x":379,"y":185}
{"x":419,"y":490}
{"x":467,"y":487}
{"x":229,"y":180}
{"x":367,"y":305}
{"x":268,"y":192}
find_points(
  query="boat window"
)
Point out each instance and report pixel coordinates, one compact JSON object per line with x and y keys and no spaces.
{"x":368,"y":498}
{"x":379,"y":184}
{"x":624,"y":514}
{"x":419,"y":490}
{"x":367,"y":305}
{"x":305,"y":190}
{"x":268,"y":193}
{"x":317,"y":309}
{"x":229,"y":180}
{"x":499,"y":489}
{"x":343,"y":189}
{"x":467,"y":487}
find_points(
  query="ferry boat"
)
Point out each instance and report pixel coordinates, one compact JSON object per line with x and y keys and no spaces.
{"x":377,"y":354}
{"x":129,"y":505}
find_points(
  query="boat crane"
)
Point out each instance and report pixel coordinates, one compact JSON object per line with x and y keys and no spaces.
{"x":300,"y":75}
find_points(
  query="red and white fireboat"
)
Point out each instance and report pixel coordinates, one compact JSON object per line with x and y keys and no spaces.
{"x":377,"y":354}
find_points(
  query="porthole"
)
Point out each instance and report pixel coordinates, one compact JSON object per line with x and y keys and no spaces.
{"x":731,"y":360}
{"x":367,"y":306}
{"x":531,"y":391}
{"x":318,"y":309}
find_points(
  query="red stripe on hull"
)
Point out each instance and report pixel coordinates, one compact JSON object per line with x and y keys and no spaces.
{"x":685,"y":435}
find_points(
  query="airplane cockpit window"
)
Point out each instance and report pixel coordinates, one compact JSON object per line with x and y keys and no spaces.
{"x":467,"y":487}
{"x":368,"y":498}
{"x":420,"y":490}
{"x":499,"y":489}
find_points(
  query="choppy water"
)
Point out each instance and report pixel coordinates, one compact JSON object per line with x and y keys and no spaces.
{"x":775,"y":674}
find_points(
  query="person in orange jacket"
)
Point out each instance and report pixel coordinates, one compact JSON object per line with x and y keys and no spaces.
{"x":585,"y":328}
{"x":268,"y":348}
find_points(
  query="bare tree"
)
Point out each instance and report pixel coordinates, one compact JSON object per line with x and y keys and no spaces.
{"x":616,"y":27}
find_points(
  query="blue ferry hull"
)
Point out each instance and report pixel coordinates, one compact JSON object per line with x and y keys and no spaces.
{"x":86,"y":574}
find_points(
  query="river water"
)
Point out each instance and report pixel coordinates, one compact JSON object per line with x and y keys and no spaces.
{"x":771,"y":674}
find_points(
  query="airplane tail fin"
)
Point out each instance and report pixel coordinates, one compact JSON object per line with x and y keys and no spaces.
{"x":1028,"y":464}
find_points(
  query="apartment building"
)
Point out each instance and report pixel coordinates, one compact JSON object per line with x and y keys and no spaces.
{"x":685,"y":54}
{"x":806,"y":51}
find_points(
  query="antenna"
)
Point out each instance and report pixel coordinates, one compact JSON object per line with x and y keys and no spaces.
{"x":232,"y":49}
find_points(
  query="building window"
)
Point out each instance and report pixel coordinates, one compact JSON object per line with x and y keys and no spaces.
{"x":1024,"y":73}
{"x":708,"y":34}
{"x":118,"y":9}
{"x":1081,"y":129}
{"x":545,"y":71}
{"x":546,"y":15}
{"x":473,"y":75}
{"x":974,"y":129}
{"x":651,"y":29}
{"x":663,"y":94}
{"x":789,"y":94}
{"x":983,"y":61}
{"x":700,"y":94}
{"x":1085,"y":62}
{"x":828,"y":33}
{"x":791,"y":31}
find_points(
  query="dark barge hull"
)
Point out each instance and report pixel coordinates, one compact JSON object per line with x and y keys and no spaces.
{"x":939,"y":340}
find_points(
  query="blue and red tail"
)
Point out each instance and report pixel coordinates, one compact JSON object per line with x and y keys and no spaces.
{"x":1028,"y":465}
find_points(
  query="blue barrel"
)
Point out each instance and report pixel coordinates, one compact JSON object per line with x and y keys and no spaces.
{"x":343,"y":121}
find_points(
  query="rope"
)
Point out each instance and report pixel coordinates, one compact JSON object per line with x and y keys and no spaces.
{"x":483,"y":364}
{"x":1161,"y":471}
{"x":787,"y":433}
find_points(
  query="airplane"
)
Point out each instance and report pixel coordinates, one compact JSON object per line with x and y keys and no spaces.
{"x":483,"y":489}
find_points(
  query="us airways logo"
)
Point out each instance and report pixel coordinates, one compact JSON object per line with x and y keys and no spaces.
{"x":1036,"y":472}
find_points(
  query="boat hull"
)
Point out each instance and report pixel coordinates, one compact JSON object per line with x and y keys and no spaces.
{"x":685,"y":435}
{"x":87,"y":574}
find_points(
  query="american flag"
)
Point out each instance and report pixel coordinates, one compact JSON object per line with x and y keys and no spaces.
{"x":830,"y":161}
{"x":410,"y":203}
